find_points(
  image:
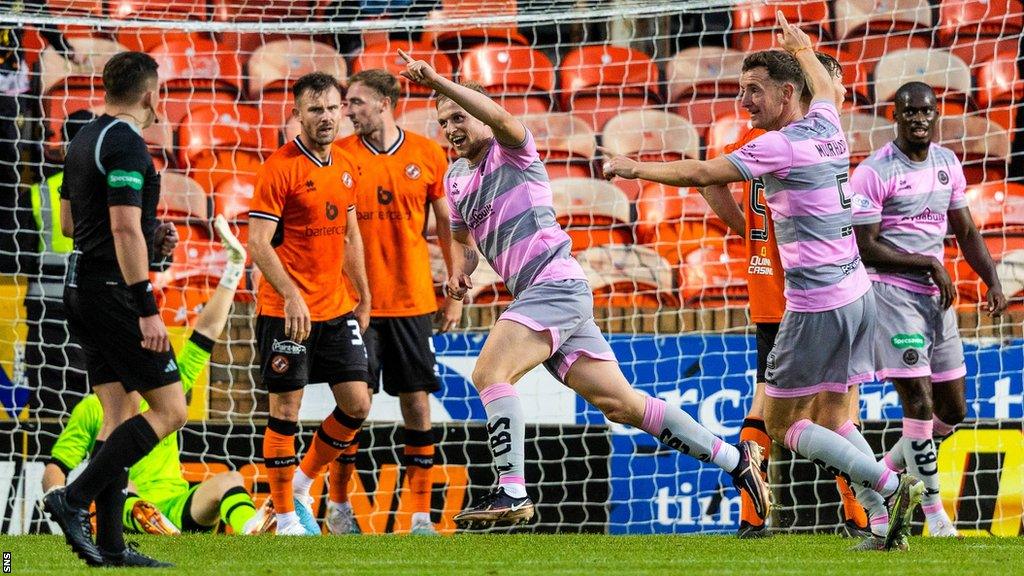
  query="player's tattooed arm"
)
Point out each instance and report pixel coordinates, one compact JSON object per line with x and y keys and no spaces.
{"x":977,"y":256}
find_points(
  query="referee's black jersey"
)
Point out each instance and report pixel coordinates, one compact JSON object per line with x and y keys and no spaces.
{"x":107,"y":164}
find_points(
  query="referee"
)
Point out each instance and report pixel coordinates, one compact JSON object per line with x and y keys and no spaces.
{"x":108,"y":205}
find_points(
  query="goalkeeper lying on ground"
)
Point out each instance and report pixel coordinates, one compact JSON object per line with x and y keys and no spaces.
{"x":165,"y":502}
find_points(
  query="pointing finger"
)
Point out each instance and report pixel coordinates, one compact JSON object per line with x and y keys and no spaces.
{"x":404,"y":55}
{"x":781,"y":18}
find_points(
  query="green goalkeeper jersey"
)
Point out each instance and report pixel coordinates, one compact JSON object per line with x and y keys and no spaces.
{"x":158,"y":474}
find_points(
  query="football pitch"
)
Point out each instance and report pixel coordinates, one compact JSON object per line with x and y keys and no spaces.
{"x":535,"y":554}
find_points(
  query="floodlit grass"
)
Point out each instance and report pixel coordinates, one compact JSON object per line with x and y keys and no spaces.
{"x":548,"y":555}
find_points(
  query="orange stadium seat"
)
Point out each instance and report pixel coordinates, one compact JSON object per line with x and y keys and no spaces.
{"x":628,"y":277}
{"x":423,"y":121}
{"x":725,"y":131}
{"x":754,"y":24}
{"x":649,"y":135}
{"x":998,"y":206}
{"x":715,"y":276}
{"x":704,"y":82}
{"x":268,"y":12}
{"x":233,"y":195}
{"x":867,"y":50}
{"x":182,"y":200}
{"x":593,"y":212}
{"x":868,"y":29}
{"x":982,"y":145}
{"x":598,"y":82}
{"x":275,"y":65}
{"x":457,"y":38}
{"x":385,"y":55}
{"x":856,"y":76}
{"x":976,"y":30}
{"x":999,"y":88}
{"x":191,"y":280}
{"x":675,"y":222}
{"x":215,"y":142}
{"x":944,"y":72}
{"x":521,"y":78}
{"x":865,"y":133}
{"x":144,"y":39}
{"x":566,"y":144}
{"x":195,"y":73}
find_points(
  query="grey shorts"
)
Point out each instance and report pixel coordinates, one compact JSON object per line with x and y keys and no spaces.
{"x":564,"y":309}
{"x":917,"y":338}
{"x":823,"y":351}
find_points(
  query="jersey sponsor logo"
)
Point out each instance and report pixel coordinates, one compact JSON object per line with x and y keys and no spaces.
{"x":927,"y":216}
{"x":861,"y":201}
{"x":331,"y":211}
{"x":317,"y":231}
{"x":943,"y":177}
{"x":384,"y":196}
{"x":760,"y":266}
{"x":287,"y":347}
{"x":901,"y":341}
{"x":280,"y":364}
{"x":122,"y":179}
{"x":477,"y":216}
{"x":412,"y":171}
{"x":910,"y":357}
{"x":346,"y":179}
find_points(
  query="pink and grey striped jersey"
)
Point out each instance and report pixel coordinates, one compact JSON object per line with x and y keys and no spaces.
{"x":910,"y":201}
{"x":805,"y":168}
{"x":505,"y":203}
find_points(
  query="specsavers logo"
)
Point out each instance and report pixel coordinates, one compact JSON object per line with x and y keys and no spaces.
{"x":901,"y":341}
{"x":121,"y":179}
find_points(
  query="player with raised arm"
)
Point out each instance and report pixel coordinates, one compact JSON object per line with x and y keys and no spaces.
{"x":500,"y":201}
{"x":904,"y":198}
{"x":824,"y":344}
{"x":108,"y":203}
{"x":401,"y":176}
{"x":304,"y":237}
{"x":165,"y":503}
{"x":766,"y":285}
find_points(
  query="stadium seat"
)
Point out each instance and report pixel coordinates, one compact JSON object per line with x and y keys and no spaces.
{"x":976,"y":20}
{"x":565,"y":143}
{"x":999,"y":88}
{"x":144,"y":39}
{"x":947,"y":74}
{"x":598,"y":82}
{"x":182,"y":200}
{"x":703,"y":83}
{"x":982,"y":145}
{"x":628,"y":277}
{"x":867,"y":50}
{"x":715,"y":276}
{"x":424,"y":121}
{"x":856,"y":76}
{"x":232,"y":196}
{"x":521,"y":78}
{"x":454,"y":37}
{"x":725,"y":131}
{"x":676,"y":222}
{"x":216,"y":142}
{"x":190,"y":281}
{"x":267,"y":12}
{"x":159,"y":139}
{"x":649,"y":135}
{"x":385,"y":55}
{"x":593,"y":212}
{"x":997,"y":206}
{"x":865,"y":133}
{"x":275,"y":65}
{"x":868,"y":29}
{"x":754,"y":23}
{"x":195,"y":73}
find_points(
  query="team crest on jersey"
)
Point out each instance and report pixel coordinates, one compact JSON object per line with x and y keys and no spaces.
{"x":280,"y":364}
{"x":412,"y":171}
{"x":943,"y":177}
{"x":346,"y":179}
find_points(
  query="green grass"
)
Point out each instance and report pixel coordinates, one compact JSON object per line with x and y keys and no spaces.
{"x":559,"y":555}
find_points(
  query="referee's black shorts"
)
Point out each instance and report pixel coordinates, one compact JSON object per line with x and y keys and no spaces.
{"x":766,"y":333}
{"x":102,"y":316}
{"x":401,"y":354}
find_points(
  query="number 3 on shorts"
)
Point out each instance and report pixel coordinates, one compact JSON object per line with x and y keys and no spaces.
{"x":357,"y":338}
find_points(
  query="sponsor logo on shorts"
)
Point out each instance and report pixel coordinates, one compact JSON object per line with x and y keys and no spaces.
{"x":287,"y":347}
{"x":280,"y":364}
{"x":943,"y":177}
{"x":901,"y":341}
{"x":910,"y":357}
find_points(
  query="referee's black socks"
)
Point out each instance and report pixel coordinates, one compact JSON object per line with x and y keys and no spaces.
{"x":127,"y":444}
{"x":109,"y":510}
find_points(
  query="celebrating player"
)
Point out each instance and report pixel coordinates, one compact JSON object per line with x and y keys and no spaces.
{"x":824,"y":344}
{"x":108,"y":202}
{"x":400,"y":175}
{"x":905,"y":196}
{"x":157,"y":478}
{"x":304,"y":238}
{"x":500,"y":201}
{"x":767,"y":304}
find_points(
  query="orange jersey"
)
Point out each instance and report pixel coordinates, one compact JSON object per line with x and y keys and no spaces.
{"x":765,"y":280}
{"x":393,"y":191}
{"x":309,"y":200}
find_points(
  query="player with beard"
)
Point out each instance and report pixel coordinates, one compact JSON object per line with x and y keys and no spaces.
{"x":906,"y":195}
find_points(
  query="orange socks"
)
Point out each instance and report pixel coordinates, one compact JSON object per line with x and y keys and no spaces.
{"x":340,"y":473}
{"x":335,"y":434}
{"x":753,"y":429}
{"x":418,"y":459}
{"x":279,"y":460}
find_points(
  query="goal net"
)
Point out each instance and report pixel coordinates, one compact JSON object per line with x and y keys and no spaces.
{"x":651,"y":80}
